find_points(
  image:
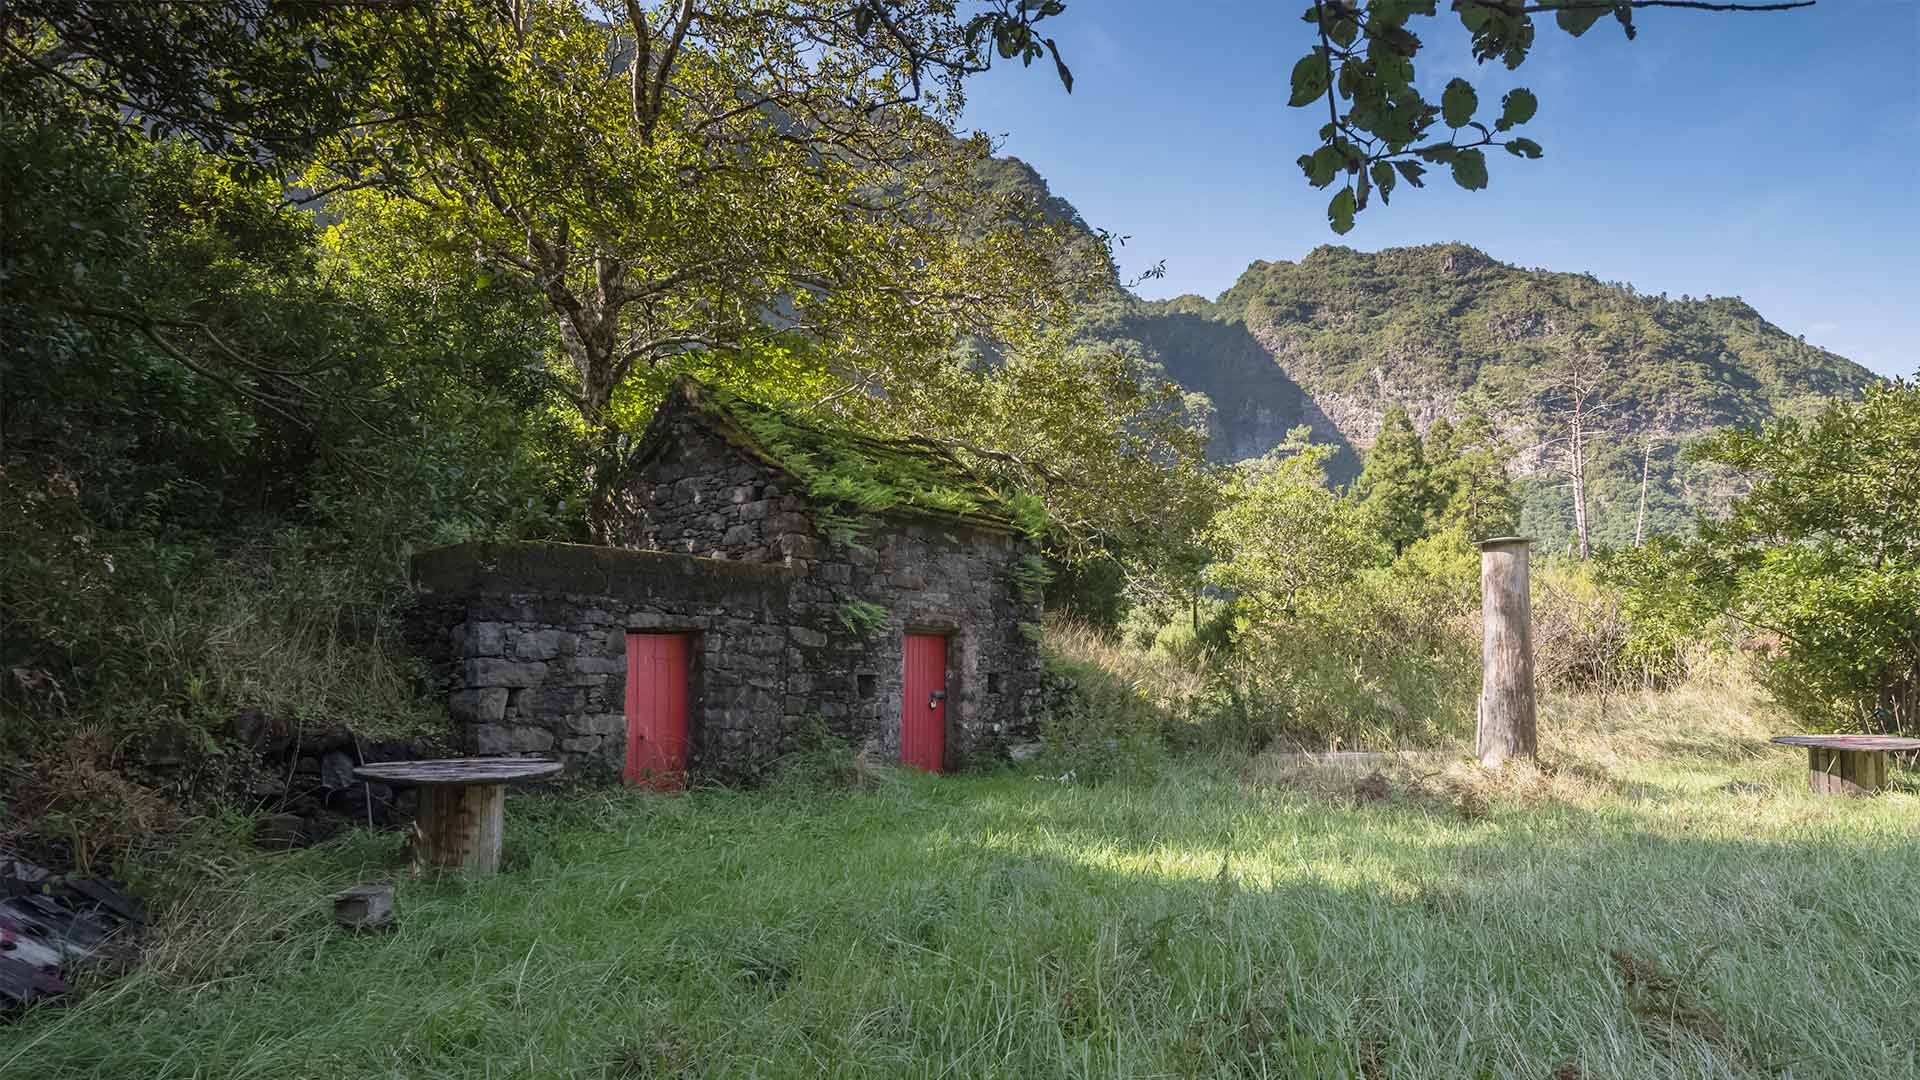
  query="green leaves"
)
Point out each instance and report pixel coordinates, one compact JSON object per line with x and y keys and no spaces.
{"x":1331,"y":160}
{"x":1383,"y":178}
{"x":1470,"y":169}
{"x":1321,"y":166}
{"x":1340,"y":211}
{"x":1516,"y":108}
{"x":1577,"y":21}
{"x":1363,"y":67}
{"x":1815,"y":552}
{"x":1458,"y":102}
{"x":1060,"y":66}
{"x":1309,"y":79}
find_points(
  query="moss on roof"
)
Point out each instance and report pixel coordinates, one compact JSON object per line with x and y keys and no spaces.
{"x":849,"y":471}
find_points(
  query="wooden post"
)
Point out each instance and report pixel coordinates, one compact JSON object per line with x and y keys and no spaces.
{"x":458,"y":828}
{"x":1507,"y":723}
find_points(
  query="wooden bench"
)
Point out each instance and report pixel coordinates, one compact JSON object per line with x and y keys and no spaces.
{"x":463,"y":804}
{"x":1848,"y":764}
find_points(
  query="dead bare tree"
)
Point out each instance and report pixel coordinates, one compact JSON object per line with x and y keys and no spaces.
{"x":1646,"y":465}
{"x":1575,"y":397}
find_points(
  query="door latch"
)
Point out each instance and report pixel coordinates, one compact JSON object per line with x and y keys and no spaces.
{"x":935,"y":698}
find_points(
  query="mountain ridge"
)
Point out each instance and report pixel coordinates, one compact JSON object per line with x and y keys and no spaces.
{"x":1334,"y":338}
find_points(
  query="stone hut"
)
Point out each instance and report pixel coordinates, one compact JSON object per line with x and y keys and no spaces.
{"x":769,"y":583}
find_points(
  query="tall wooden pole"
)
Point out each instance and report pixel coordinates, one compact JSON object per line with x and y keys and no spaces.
{"x":1506,"y":683}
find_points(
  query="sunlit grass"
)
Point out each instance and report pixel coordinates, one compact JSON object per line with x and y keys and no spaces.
{"x":1662,"y":898}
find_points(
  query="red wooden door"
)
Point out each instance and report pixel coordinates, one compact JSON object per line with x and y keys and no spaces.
{"x":923,"y":713}
{"x":657,"y":710}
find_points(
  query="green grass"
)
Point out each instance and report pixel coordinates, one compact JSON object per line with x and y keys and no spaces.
{"x":1664,"y":899}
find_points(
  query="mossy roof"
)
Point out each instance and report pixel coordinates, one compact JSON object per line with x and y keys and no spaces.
{"x":854,"y":471}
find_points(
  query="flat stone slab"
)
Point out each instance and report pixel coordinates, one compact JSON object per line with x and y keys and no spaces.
{"x":1868,"y":743}
{"x":459,"y":772}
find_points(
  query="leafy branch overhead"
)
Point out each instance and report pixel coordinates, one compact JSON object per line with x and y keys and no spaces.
{"x":1382,"y":129}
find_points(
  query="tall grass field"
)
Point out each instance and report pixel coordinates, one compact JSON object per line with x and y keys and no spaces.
{"x":1662,"y":898}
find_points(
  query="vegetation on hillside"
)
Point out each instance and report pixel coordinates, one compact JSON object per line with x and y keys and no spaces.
{"x":1443,"y":331}
{"x":291,"y":291}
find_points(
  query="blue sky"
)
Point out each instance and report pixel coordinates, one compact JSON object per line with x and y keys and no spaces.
{"x":1770,"y":156}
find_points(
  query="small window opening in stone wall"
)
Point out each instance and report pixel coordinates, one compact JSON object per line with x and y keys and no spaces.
{"x":869,"y":684}
{"x":993,"y":682}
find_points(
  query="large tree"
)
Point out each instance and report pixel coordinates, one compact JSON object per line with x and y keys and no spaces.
{"x":1472,"y":491}
{"x":1285,"y":539}
{"x":1822,"y":555}
{"x":1395,"y":489}
{"x":717,"y":182}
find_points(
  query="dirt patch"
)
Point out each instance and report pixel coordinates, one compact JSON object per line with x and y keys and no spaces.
{"x":1374,"y":787}
{"x":662,"y":1052}
{"x":1672,"y":1005}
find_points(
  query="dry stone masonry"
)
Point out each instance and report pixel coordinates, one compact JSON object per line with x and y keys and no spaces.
{"x":796,"y":611}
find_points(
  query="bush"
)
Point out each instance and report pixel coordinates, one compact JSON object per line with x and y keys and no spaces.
{"x":1110,"y":707}
{"x":1817,"y":561}
{"x":1581,"y":637}
{"x":1308,"y":692}
{"x":822,"y":762}
{"x":77,"y":794}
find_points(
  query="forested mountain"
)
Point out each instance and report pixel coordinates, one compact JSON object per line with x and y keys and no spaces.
{"x":1333,"y":340}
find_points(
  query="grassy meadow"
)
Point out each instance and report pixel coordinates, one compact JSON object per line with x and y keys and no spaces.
{"x":1662,"y":899}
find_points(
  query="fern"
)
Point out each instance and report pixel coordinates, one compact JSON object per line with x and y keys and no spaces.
{"x":863,"y":617}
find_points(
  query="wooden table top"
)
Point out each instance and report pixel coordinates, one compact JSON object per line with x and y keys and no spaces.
{"x":1849,"y":742}
{"x":459,"y":771}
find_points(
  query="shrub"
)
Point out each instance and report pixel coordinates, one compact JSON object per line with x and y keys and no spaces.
{"x":1110,"y":707}
{"x":821,"y":762}
{"x":1313,"y":688}
{"x":77,"y":793}
{"x":1581,"y":637}
{"x":1818,"y":558}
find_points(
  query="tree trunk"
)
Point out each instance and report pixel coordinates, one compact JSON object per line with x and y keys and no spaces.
{"x":1577,"y":466}
{"x":587,"y":336}
{"x":1507,"y":720}
{"x":1640,"y":519}
{"x":605,"y":469}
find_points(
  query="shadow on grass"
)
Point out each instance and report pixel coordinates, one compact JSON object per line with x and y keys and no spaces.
{"x":1009,"y":927}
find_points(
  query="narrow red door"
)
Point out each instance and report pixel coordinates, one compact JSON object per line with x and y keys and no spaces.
{"x":657,"y":710}
{"x":923,"y":714}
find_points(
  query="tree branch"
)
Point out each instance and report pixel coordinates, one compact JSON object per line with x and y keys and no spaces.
{"x":1511,"y":8}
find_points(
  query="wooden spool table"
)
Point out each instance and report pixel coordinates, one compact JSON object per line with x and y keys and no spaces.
{"x":463,"y":803}
{"x":1847,"y":764}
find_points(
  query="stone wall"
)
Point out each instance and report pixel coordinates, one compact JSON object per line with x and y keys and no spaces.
{"x":529,"y":640}
{"x":700,"y":495}
{"x":302,"y":782}
{"x":957,"y":581}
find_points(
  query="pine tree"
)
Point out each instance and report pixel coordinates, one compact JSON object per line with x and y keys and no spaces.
{"x":1471,"y":488}
{"x":1394,"y":488}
